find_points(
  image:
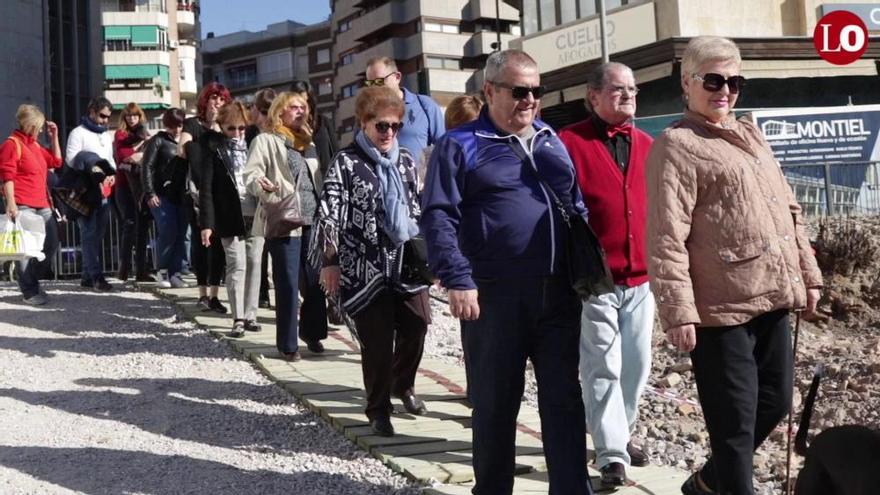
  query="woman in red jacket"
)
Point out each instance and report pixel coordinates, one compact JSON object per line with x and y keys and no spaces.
{"x":24,"y":167}
{"x":128,"y":195}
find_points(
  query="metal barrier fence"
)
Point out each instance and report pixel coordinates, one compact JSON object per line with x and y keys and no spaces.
{"x":836,"y":188}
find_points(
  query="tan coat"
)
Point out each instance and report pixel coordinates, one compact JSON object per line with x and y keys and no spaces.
{"x":726,"y":240}
{"x":267,"y":157}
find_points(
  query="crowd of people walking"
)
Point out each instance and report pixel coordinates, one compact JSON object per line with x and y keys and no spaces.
{"x":698,"y":226}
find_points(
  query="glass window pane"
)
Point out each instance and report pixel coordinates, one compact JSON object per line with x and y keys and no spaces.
{"x":530,"y":16}
{"x":449,"y":28}
{"x":567,"y":11}
{"x":434,"y":62}
{"x":548,"y":14}
{"x":433,"y":26}
{"x":588,"y":8}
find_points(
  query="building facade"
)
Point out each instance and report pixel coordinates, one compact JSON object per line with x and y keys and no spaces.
{"x":51,"y":65}
{"x":246,"y":61}
{"x":775,"y":38}
{"x":150,"y":55}
{"x":440,"y":47}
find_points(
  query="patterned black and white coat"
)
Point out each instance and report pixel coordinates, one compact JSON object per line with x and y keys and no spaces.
{"x":350,"y":220}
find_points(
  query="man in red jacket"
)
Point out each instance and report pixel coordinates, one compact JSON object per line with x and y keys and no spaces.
{"x":615,"y":355}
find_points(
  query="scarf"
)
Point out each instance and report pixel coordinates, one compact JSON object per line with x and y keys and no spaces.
{"x":301,"y":139}
{"x":237,"y":151}
{"x":398,"y":224}
{"x":89,"y":124}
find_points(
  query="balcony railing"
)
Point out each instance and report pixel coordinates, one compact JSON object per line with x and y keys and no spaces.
{"x":128,"y":46}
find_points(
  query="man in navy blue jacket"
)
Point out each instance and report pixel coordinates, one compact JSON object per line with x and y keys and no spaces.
{"x":495,"y":238}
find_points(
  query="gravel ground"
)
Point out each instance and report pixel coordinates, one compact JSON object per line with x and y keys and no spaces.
{"x":115,"y":393}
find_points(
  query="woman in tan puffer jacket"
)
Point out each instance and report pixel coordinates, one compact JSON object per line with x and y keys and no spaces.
{"x":728,"y":259}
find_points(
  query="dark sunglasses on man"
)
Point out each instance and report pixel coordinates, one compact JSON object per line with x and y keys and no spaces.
{"x":379,"y":81}
{"x":522,"y":92}
{"x":714,"y":82}
{"x":383,"y":126}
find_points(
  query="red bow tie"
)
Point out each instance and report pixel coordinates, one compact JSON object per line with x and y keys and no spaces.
{"x":613,"y":130}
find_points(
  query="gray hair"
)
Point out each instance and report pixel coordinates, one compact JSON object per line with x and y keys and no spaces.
{"x":703,"y":49}
{"x":499,"y":61}
{"x":597,"y":78}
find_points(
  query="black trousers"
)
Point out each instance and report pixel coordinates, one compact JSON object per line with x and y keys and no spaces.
{"x":744,"y":380}
{"x":264,"y":274}
{"x":392,"y":332}
{"x":536,"y":319}
{"x":135,"y":223}
{"x":208,"y":263}
{"x":313,"y":310}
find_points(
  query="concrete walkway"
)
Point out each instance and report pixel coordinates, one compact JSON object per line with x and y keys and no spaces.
{"x":434,"y":449}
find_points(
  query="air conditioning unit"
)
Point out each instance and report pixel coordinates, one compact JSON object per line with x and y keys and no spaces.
{"x":173,"y":44}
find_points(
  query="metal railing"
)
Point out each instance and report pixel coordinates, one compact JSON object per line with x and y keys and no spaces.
{"x":836,"y":188}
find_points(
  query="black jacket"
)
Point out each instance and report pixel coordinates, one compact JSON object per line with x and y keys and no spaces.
{"x":160,"y":165}
{"x":219,"y":206}
{"x":325,"y":142}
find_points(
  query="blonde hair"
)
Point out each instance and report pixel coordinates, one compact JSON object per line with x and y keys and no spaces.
{"x":131,"y":109}
{"x":703,"y":49}
{"x":234,"y":111}
{"x":30,"y":119}
{"x":280,"y":104}
{"x":462,"y":109}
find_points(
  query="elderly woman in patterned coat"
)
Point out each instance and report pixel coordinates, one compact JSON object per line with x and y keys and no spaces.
{"x":369,"y":209}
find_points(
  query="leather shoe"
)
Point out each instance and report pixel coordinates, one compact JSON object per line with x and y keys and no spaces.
{"x":692,"y":486}
{"x":382,"y":426}
{"x":613,"y":474}
{"x":413,"y":404}
{"x":637,"y":457}
{"x":315,"y":346}
{"x":291,"y":356}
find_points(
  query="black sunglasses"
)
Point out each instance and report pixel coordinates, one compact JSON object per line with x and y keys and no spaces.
{"x":383,"y":126}
{"x":232,"y":128}
{"x":714,"y":82}
{"x":522,"y":92}
{"x":379,"y":81}
{"x":103,"y":115}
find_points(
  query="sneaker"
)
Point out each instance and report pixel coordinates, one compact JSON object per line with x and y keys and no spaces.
{"x":252,"y":326}
{"x":101,"y":285}
{"x":163,"y":281}
{"x":237,"y":329}
{"x":204,"y":303}
{"x":86,"y":284}
{"x":215,"y":305}
{"x":176,"y":282}
{"x":38,"y":299}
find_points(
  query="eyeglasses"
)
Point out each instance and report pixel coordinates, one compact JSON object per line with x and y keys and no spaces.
{"x":714,"y":82}
{"x":104,"y":116}
{"x":232,"y":128}
{"x":522,"y":92}
{"x":379,"y":81}
{"x":619,"y":90}
{"x":383,"y":126}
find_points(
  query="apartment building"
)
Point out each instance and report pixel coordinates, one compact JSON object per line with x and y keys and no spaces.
{"x":150,"y":55}
{"x":439,"y":46}
{"x":247,"y":61}
{"x":775,"y":38}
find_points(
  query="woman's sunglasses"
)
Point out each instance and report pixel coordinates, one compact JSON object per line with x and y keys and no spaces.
{"x":233,"y":128}
{"x":714,"y":82}
{"x":383,"y":126}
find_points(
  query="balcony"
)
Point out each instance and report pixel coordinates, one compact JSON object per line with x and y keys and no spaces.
{"x":382,"y":17}
{"x":481,"y":43}
{"x":145,"y":98}
{"x":136,"y":58}
{"x":485,"y":9}
{"x":186,"y":51}
{"x":186,"y":24}
{"x":134,"y":19}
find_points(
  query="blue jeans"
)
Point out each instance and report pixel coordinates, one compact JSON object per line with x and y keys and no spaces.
{"x":615,"y":365}
{"x":526,"y":318}
{"x":92,"y":229}
{"x":285,"y":252}
{"x":28,"y":271}
{"x":171,"y":225}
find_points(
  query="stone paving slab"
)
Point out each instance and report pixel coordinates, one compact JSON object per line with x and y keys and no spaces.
{"x":434,"y":449}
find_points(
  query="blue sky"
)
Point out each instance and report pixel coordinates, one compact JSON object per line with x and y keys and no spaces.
{"x":228,"y":16}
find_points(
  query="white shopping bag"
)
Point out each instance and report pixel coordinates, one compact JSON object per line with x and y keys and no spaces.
{"x":11,"y":243}
{"x":23,"y":237}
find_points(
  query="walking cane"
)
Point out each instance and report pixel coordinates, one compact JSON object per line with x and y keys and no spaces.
{"x":797,"y":331}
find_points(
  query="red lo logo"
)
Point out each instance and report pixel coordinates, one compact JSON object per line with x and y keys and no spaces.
{"x":840,"y":37}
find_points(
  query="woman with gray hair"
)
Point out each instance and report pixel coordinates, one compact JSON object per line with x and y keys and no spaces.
{"x":728,"y":259}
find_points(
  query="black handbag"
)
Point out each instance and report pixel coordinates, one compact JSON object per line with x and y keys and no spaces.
{"x":585,"y":260}
{"x":415,"y":262}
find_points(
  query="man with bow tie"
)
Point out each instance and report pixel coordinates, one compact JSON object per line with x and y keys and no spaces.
{"x":615,"y":348}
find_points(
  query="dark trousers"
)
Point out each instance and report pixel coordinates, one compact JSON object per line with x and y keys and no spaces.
{"x":92,"y":229}
{"x":313,"y":312}
{"x":744,"y":379}
{"x":135,"y":226}
{"x":29,"y":271}
{"x":264,"y":274}
{"x":536,"y":319}
{"x":208,"y":263}
{"x":285,"y":253}
{"x":392,"y":333}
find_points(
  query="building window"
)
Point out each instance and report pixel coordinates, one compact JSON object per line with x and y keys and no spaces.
{"x":548,"y":14}
{"x":135,"y":38}
{"x":346,"y":58}
{"x":437,"y":27}
{"x":325,"y":88}
{"x":349,"y":91}
{"x":433,"y":27}
{"x":588,"y":8}
{"x":323,"y":56}
{"x":344,"y":26}
{"x":241,"y":76}
{"x":567,"y":11}
{"x":451,"y":29}
{"x":442,"y":63}
{"x":302,"y":62}
{"x":530,"y":16}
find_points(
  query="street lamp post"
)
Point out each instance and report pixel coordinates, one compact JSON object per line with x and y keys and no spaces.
{"x":602,"y":35}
